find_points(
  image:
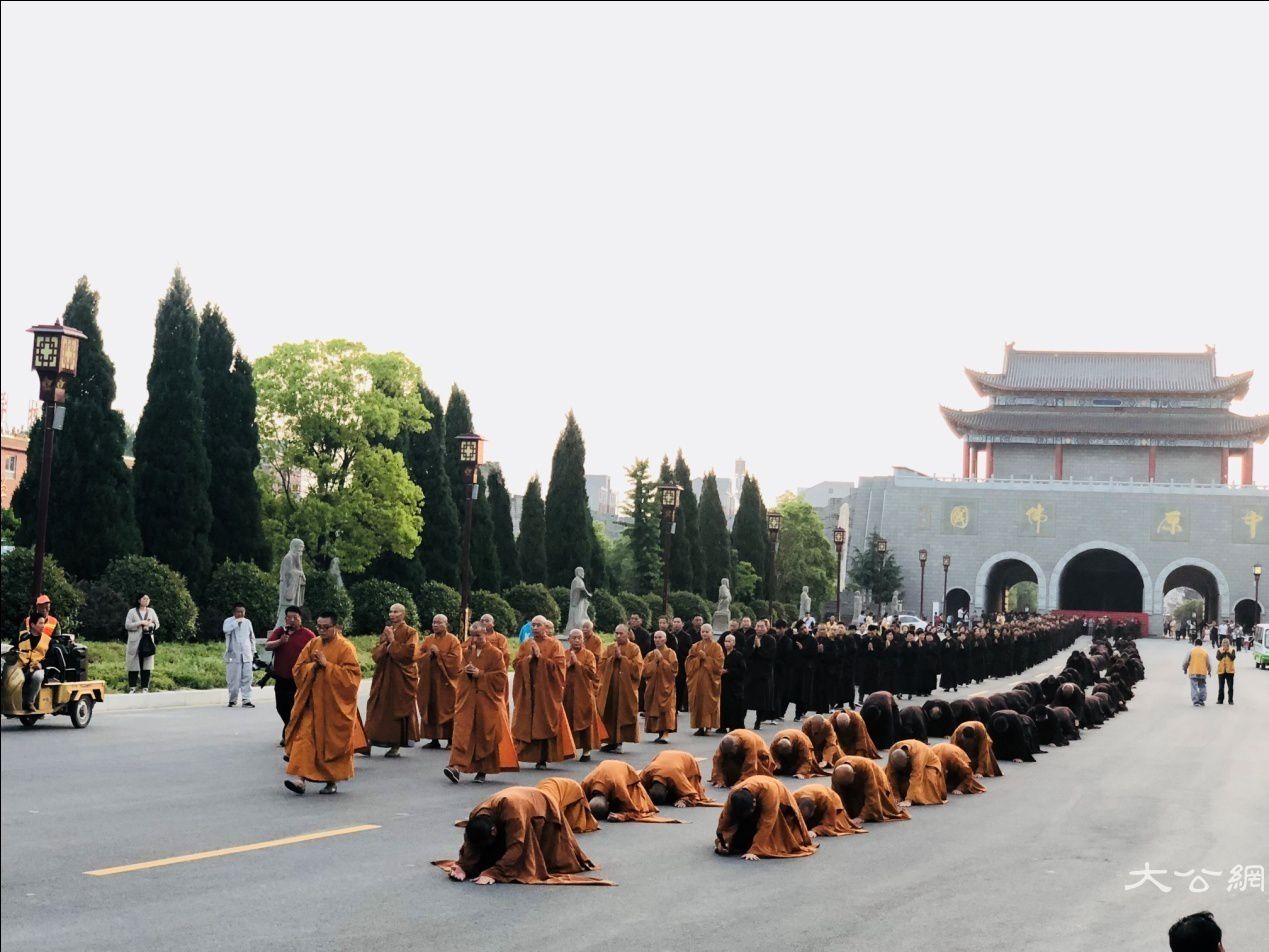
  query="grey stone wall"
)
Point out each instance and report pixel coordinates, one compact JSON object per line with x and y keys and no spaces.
{"x":1185,"y":464}
{"x":1026,"y":460}
{"x":1106,"y":462}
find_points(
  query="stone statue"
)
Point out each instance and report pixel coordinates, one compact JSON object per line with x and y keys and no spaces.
{"x":722,"y":612}
{"x":804,"y":602}
{"x":335,"y":574}
{"x":291,"y":580}
{"x":578,"y":602}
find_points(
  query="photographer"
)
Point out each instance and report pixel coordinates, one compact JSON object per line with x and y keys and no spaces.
{"x":286,"y":643}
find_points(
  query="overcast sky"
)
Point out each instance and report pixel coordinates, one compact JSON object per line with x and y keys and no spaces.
{"x":776,"y":232}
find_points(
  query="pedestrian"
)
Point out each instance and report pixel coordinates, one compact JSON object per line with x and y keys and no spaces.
{"x":1197,"y":932}
{"x":1225,"y":671}
{"x":240,"y":652}
{"x":286,"y":643}
{"x":1197,"y":666}
{"x":142,"y":622}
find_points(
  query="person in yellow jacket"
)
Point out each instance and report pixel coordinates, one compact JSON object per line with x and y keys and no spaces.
{"x":1198,"y":666}
{"x":33,"y":644}
{"x":1225,"y":671}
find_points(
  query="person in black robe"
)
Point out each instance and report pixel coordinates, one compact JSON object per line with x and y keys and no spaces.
{"x":732,"y":699}
{"x":909,"y":666}
{"x":928,"y":665}
{"x":783,"y":669}
{"x":679,"y":640}
{"x":760,"y":659}
{"x":978,"y":657}
{"x":640,"y":635}
{"x":1009,"y":735}
{"x":847,"y":652}
{"x":881,"y":716}
{"x":804,"y":671}
{"x":825,"y":666}
{"x":889,"y":673}
{"x":912,"y":725}
{"x":950,"y":654}
{"x":868,"y":666}
{"x":939,"y":720}
{"x":963,"y":711}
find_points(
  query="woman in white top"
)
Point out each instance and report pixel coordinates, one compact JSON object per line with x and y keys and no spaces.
{"x":141,"y":621}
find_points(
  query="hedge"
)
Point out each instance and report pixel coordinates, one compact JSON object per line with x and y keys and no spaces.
{"x":741,"y":610}
{"x":560,"y":594}
{"x":17,"y":569}
{"x":135,"y":575}
{"x":104,"y":612}
{"x":321,"y":594}
{"x":371,"y":600}
{"x":688,"y":604}
{"x":533,"y":599}
{"x":491,"y":603}
{"x":608,"y":611}
{"x":635,"y":603}
{"x":237,"y":582}
{"x":437,"y":598}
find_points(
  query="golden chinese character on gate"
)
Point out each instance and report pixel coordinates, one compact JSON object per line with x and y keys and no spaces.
{"x":959,"y":517}
{"x":1251,"y":520}
{"x":1037,"y":516}
{"x":1170,"y":523}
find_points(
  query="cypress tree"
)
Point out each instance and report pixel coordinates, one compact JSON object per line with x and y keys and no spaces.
{"x":172,"y":473}
{"x":233,"y":442}
{"x":644,"y":529}
{"x":569,"y":534}
{"x":531,"y":544}
{"x":598,"y":577}
{"x":715,"y":539}
{"x":485,"y":572}
{"x":749,"y":531}
{"x":91,"y":519}
{"x":428,"y":464}
{"x":685,"y":550}
{"x":503,"y":530}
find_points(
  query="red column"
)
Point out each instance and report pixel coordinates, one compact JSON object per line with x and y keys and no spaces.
{"x":1247,"y":462}
{"x":1154,"y":458}
{"x":991,"y":460}
{"x":973,"y":461}
{"x":965,"y":460}
{"x":1057,"y":461}
{"x":1224,"y":465}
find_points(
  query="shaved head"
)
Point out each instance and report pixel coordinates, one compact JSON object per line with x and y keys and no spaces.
{"x":843,"y":776}
{"x":481,"y":831}
{"x":806,"y":806}
{"x":899,"y":759}
{"x":783,"y":750}
{"x":815,"y":721}
{"x":599,"y":806}
{"x":742,"y":803}
{"x":659,"y":793}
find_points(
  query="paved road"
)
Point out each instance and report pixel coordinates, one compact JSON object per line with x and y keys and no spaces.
{"x":1039,"y":862}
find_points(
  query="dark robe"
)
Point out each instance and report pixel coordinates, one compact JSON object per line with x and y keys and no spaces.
{"x":1009,"y":736}
{"x":733,"y":693}
{"x":928,"y":668}
{"x":681,"y":649}
{"x":909,"y":668}
{"x":760,"y":676}
{"x":868,"y":666}
{"x":847,"y":649}
{"x":881,"y":717}
{"x":824,"y":663}
{"x":889,"y":673}
{"x":950,"y":652}
{"x":912,"y":724}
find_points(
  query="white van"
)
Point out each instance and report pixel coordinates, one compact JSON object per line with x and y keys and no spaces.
{"x":1260,"y":645}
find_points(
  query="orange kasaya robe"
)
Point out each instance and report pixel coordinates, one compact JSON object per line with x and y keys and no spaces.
{"x":392,"y":713}
{"x":957,"y":769}
{"x":823,"y":739}
{"x":830,"y":817}
{"x":852,"y":735}
{"x":618,"y":696}
{"x":923,"y":783}
{"x":594,"y":644}
{"x":540,"y":848}
{"x":581,"y":684}
{"x":803,"y":763}
{"x":571,"y":798}
{"x":539,"y":716}
{"x":681,"y":774}
{"x":704,"y":669}
{"x":438,"y":684}
{"x":499,"y":641}
{"x":781,"y":831}
{"x":482,"y":734}
{"x":972,"y":737}
{"x":756,"y":758}
{"x":660,"y":702}
{"x":617,"y":781}
{"x":325,"y":727}
{"x":869,"y":799}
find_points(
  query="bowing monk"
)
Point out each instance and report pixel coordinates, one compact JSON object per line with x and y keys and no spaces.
{"x":819,"y":730}
{"x":540,"y":728}
{"x":660,"y":700}
{"x":740,"y":754}
{"x":704,"y":668}
{"x":865,"y":791}
{"x":392,"y":713}
{"x":972,"y":737}
{"x":571,"y":799}
{"x":674,"y":776}
{"x":440,"y":662}
{"x":957,"y":769}
{"x":852,"y":735}
{"x":916,"y":774}
{"x":618,"y":696}
{"x":762,"y":820}
{"x":824,"y":812}
{"x":794,"y":756}
{"x":519,"y":836}
{"x":616,"y":793}
{"x":482,"y":735}
{"x":325,"y":727}
{"x":581,"y":684}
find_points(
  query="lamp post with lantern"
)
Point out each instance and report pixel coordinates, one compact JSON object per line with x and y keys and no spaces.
{"x":881,"y":549}
{"x":1255,"y":571}
{"x":775,"y":519}
{"x":669,"y":494}
{"x":947,"y":564}
{"x":839,"y":542}
{"x":923,"y":555}
{"x":471,"y":454}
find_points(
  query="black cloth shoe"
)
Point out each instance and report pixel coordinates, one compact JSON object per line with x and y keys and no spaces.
{"x":479,"y":778}
{"x":434,"y":745}
{"x":450,"y":774}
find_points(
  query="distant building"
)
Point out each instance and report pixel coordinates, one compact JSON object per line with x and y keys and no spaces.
{"x":600,"y":495}
{"x":14,"y":463}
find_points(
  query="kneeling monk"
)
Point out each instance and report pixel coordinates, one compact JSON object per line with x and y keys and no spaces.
{"x":616,"y":793}
{"x":571,"y":799}
{"x":674,"y":776}
{"x":481,"y":737}
{"x":823,"y":739}
{"x":740,"y":754}
{"x":916,"y":774}
{"x":972,"y":737}
{"x":824,"y":813}
{"x":794,"y":756}
{"x":761,"y":819}
{"x":957,"y":769}
{"x":865,"y":791}
{"x":852,"y":735}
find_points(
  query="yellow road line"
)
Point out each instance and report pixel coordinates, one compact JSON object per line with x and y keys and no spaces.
{"x":229,"y":851}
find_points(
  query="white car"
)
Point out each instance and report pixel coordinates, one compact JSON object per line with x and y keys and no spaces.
{"x":913,"y":622}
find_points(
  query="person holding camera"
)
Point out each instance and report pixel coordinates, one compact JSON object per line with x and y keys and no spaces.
{"x":141,"y":624}
{"x":240,"y":652}
{"x":286,"y":643}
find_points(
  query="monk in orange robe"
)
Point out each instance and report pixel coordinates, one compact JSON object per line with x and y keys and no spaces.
{"x":660,"y":701}
{"x":762,"y":820}
{"x":571,"y":798}
{"x":823,"y":739}
{"x":325,"y":728}
{"x":916,"y":774}
{"x":581,"y":685}
{"x":865,"y":791}
{"x":519,"y":836}
{"x":852,"y":735}
{"x":540,"y":726}
{"x":495,"y":638}
{"x":674,"y":776}
{"x":957,"y":769}
{"x":591,"y":641}
{"x":704,"y":669}
{"x":616,"y":793}
{"x":740,"y":754}
{"x":824,"y":812}
{"x":392,"y":713}
{"x":618,"y":697}
{"x":440,"y":659}
{"x":972,"y":737}
{"x":482,"y":735}
{"x":793,"y":755}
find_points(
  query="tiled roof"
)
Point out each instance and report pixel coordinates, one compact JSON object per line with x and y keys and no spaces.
{"x":1107,"y":372}
{"x":1072,"y":421}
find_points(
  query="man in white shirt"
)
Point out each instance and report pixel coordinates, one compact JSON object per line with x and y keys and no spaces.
{"x":240,"y":651}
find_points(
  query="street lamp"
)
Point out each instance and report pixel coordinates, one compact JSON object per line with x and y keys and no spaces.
{"x":55,"y":359}
{"x":922,"y":555}
{"x":669,"y":495}
{"x":1255,"y":571}
{"x":471,"y":454}
{"x":774,"y":519}
{"x":947,"y":564}
{"x":839,"y":540}
{"x":882,"y":546}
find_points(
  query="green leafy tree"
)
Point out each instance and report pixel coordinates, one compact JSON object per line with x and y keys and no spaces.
{"x":11,"y":525}
{"x":371,"y":600}
{"x":686,"y":566}
{"x":325,"y":409}
{"x":135,"y":575}
{"x":428,"y":464}
{"x":569,"y":535}
{"x":643,"y":533}
{"x":1022,"y":597}
{"x":437,"y":598}
{"x":870,"y":572}
{"x":598,"y":557}
{"x":715,"y":538}
{"x":491,"y":603}
{"x":804,"y":556}
{"x":17,"y":569}
{"x":503,"y":531}
{"x":485,"y":571}
{"x":321,"y":594}
{"x":1192,"y":609}
{"x":91,"y":518}
{"x":233,"y":582}
{"x":749,"y":532}
{"x":529,"y":600}
{"x":531,"y":543}
{"x":745,"y":582}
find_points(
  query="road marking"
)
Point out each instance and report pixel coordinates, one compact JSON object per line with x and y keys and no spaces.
{"x":229,"y":851}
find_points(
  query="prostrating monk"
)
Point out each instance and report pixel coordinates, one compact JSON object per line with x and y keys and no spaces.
{"x":482,"y":735}
{"x":972,"y":737}
{"x":852,"y":735}
{"x":865,"y":791}
{"x":660,"y":702}
{"x":957,"y":769}
{"x":819,"y":730}
{"x":519,"y":836}
{"x":794,"y":756}
{"x":674,"y":776}
{"x":618,"y":696}
{"x":325,"y":727}
{"x":540,"y":727}
{"x":571,"y":799}
{"x":581,"y":684}
{"x":440,"y":661}
{"x":916,"y":774}
{"x":762,"y":820}
{"x":616,"y":793}
{"x":740,"y":754}
{"x":824,"y":813}
{"x":392,"y":713}
{"x":705,"y":682}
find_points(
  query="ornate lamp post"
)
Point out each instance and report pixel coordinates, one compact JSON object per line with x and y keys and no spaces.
{"x":1255,"y":571}
{"x":882,"y":547}
{"x":55,"y":359}
{"x":669,"y":494}
{"x":947,"y":564}
{"x":774,"y":519}
{"x":839,"y":542}
{"x":922,"y":555}
{"x":471,"y":453}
